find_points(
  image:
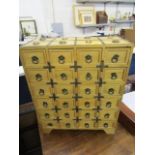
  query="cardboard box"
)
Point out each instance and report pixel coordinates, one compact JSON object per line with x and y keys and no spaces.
{"x":128,"y":34}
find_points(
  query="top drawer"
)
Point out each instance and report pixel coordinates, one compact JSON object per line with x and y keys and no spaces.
{"x":116,"y":57}
{"x":88,"y":57}
{"x":34,"y":58}
{"x":61,"y":58}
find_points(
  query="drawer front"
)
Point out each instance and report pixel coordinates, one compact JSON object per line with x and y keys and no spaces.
{"x":65,"y":104}
{"x":64,"y":91}
{"x":34,"y":58}
{"x":110,"y":103}
{"x":86,"y":114}
{"x":87,"y":91}
{"x":64,"y":76}
{"x":88,"y":76}
{"x":88,"y":57}
{"x":105,"y":124}
{"x":85,"y":124}
{"x":111,"y":89}
{"x":87,"y":103}
{"x":61,"y":58}
{"x":38,"y":76}
{"x":41,"y":91}
{"x":44,"y":104}
{"x":108,"y":115}
{"x":66,"y":114}
{"x":47,"y":115}
{"x":67,"y":124}
{"x":51,"y":124}
{"x":116,"y":57}
{"x":114,"y":75}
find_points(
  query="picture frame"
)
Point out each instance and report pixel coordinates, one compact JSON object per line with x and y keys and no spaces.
{"x":77,"y":9}
{"x":87,"y":17}
{"x":28,"y":27}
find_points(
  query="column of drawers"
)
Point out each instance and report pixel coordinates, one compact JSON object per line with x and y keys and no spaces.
{"x":76,"y":83}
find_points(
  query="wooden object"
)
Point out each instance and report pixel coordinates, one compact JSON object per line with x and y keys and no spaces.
{"x":83,"y":142}
{"x":101,"y":17}
{"x":77,"y":83}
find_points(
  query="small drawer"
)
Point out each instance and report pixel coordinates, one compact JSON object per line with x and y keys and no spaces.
{"x":67,"y":124}
{"x":111,"y":89}
{"x":110,"y":103}
{"x":88,"y":76}
{"x":34,"y":58}
{"x":114,"y":75}
{"x":87,"y":103}
{"x":88,"y":57}
{"x":105,"y":124}
{"x":64,"y":76}
{"x":87,"y":91}
{"x":51,"y":124}
{"x":108,"y":114}
{"x":66,"y":114}
{"x":41,"y":91}
{"x":47,"y":114}
{"x":44,"y":104}
{"x":66,"y":104}
{"x":61,"y":58}
{"x":86,"y":114}
{"x":64,"y":91}
{"x":38,"y":76}
{"x":85,"y":124}
{"x":116,"y":57}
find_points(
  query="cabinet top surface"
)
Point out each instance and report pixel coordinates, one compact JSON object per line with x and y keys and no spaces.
{"x":111,"y":41}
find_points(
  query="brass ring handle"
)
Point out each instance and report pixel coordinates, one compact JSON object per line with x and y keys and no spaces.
{"x":47,"y":115}
{"x":65,"y":91}
{"x":108,"y":104}
{"x":106,"y":116}
{"x":35,"y":60}
{"x":86,"y":125}
{"x":66,"y":115}
{"x":45,"y":104}
{"x":87,"y":91}
{"x":68,"y":125}
{"x":115,"y":58}
{"x":61,"y":59}
{"x":113,"y":76}
{"x":105,"y":125}
{"x":87,"y":115}
{"x":65,"y":105}
{"x":88,"y":76}
{"x":111,"y":91}
{"x":63,"y":76}
{"x":41,"y":92}
{"x":88,"y":58}
{"x":38,"y":77}
{"x":87,"y":104}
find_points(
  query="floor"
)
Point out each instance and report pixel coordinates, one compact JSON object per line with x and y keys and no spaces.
{"x":88,"y":143}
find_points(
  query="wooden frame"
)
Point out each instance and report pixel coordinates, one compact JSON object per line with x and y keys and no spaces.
{"x":77,"y":9}
{"x":28,"y":27}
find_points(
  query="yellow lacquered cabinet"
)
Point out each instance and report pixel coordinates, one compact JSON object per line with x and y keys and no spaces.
{"x":77,"y":83}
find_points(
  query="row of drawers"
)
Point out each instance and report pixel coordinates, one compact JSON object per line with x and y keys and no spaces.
{"x":67,"y":104}
{"x":81,"y":114}
{"x":42,"y":76}
{"x":83,"y":124}
{"x":81,"y":91}
{"x":85,"y":57}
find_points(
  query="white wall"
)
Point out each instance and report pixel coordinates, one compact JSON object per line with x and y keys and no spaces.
{"x":42,"y":11}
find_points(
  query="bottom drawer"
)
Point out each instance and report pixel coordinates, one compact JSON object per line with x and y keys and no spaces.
{"x":105,"y":124}
{"x":67,"y":124}
{"x":84,"y":124}
{"x":51,"y":124}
